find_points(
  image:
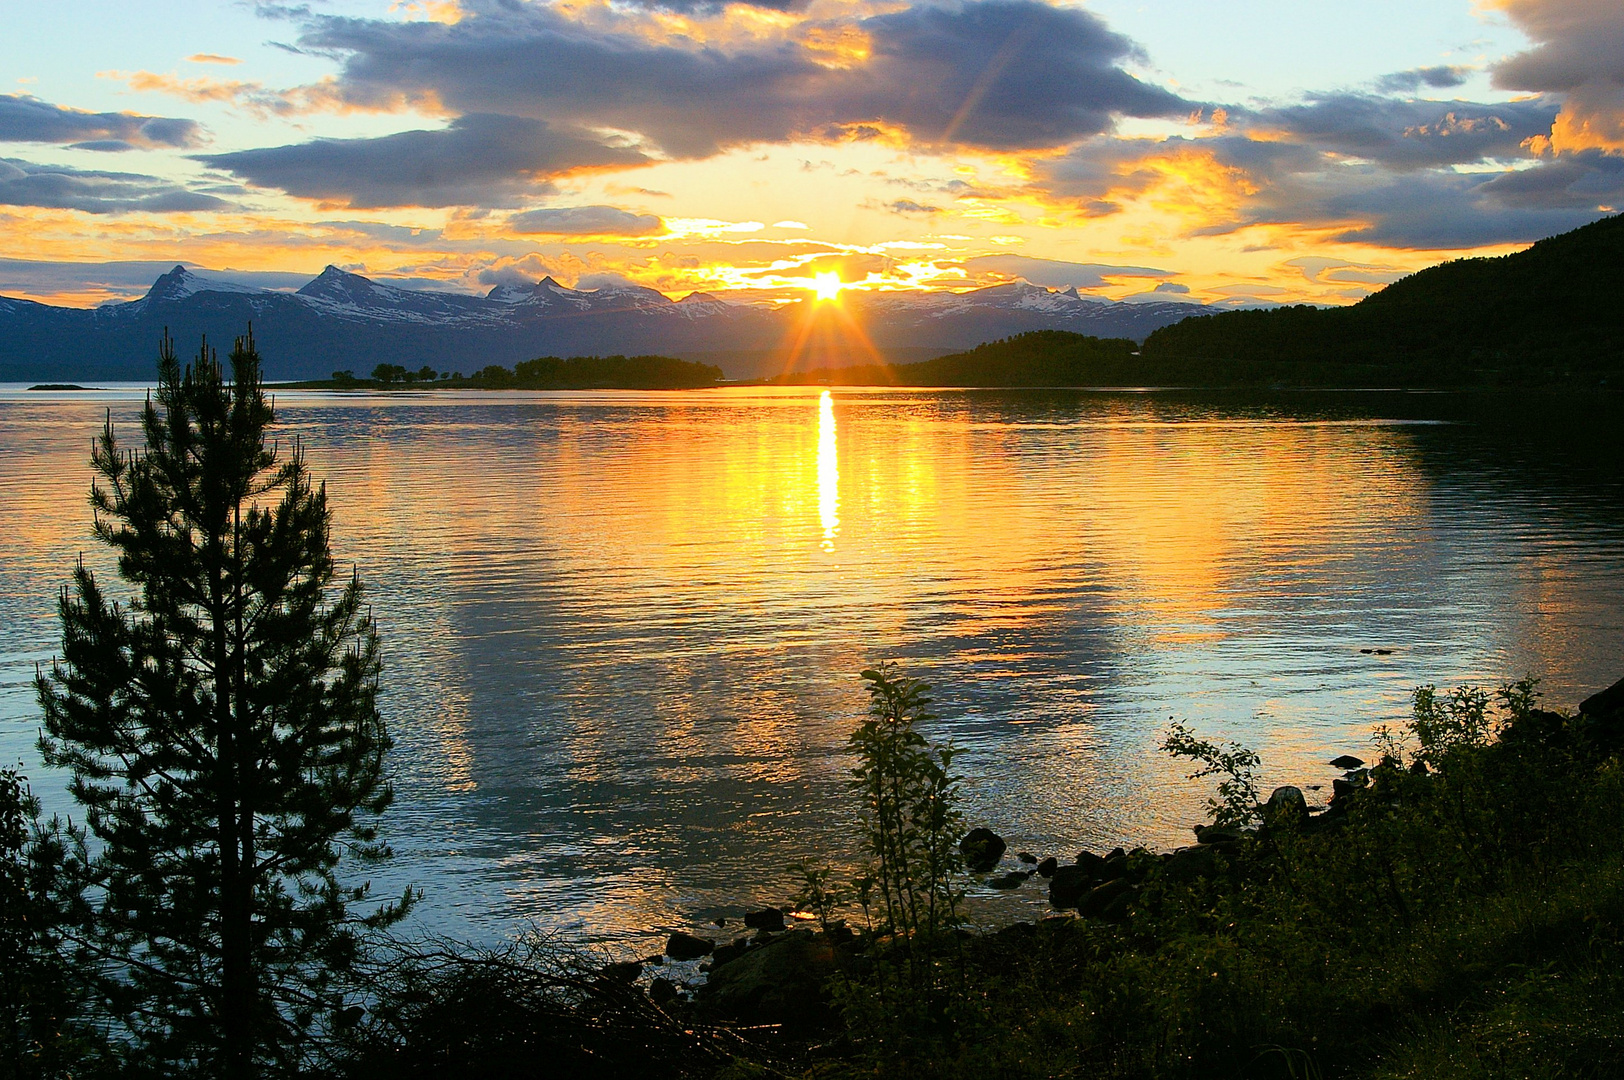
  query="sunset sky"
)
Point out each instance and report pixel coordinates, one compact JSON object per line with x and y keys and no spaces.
{"x":1245,"y":151}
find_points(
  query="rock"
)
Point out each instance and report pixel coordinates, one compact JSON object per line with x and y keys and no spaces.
{"x":1286,"y":808}
{"x":1068,"y":885}
{"x":1220,"y":834}
{"x":1114,"y":853}
{"x":1116,"y":866}
{"x":1101,"y":897}
{"x":1189,"y":863}
{"x":1012,"y":880}
{"x":681,"y":946}
{"x":781,"y":982}
{"x":1346,"y":761}
{"x":1048,"y":866}
{"x":1342,"y":790}
{"x":662,"y":992}
{"x":720,"y":920}
{"x":1094,"y":864}
{"x":1604,"y":704}
{"x":982,"y":848}
{"x":625,"y":972}
{"x":1026,"y":856}
{"x":726,"y":954}
{"x":770,"y":919}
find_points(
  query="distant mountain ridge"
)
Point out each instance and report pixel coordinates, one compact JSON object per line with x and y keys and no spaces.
{"x":340,"y":320}
{"x":1550,"y":313}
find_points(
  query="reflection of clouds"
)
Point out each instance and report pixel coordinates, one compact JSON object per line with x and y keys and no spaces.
{"x":620,"y":663}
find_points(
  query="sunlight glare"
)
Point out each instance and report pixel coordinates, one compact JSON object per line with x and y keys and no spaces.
{"x":828,"y":472}
{"x":827,"y":285}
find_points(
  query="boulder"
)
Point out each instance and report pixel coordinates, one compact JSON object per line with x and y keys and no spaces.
{"x":726,"y":954}
{"x":1012,"y":880}
{"x":1048,"y":866}
{"x":1068,"y":885}
{"x":781,"y":982}
{"x":1346,"y":761}
{"x":1094,"y":864}
{"x":982,"y":848}
{"x":1286,"y":808}
{"x":681,"y":946}
{"x":1604,"y":704}
{"x":1189,"y":863}
{"x":1220,"y":834}
{"x":625,"y":972}
{"x":770,"y":919}
{"x":1026,"y":857}
{"x":1101,"y":897}
{"x":662,"y":992}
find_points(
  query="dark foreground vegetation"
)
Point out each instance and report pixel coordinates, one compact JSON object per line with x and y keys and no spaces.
{"x":1457,"y":910}
{"x":542,"y":373}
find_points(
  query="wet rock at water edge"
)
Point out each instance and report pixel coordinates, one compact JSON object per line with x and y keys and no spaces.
{"x":1346,"y":761}
{"x":662,"y":992}
{"x":1094,"y":864}
{"x":1026,"y":857}
{"x":1012,"y":880}
{"x":1068,"y":885}
{"x":1189,"y":863}
{"x":1286,"y":807}
{"x":770,"y":919}
{"x":681,"y":946}
{"x":1218,"y":834}
{"x":781,"y":982}
{"x":725,"y":954}
{"x":625,"y":972}
{"x":1103,"y":898}
{"x":982,"y":848}
{"x":1048,"y":866}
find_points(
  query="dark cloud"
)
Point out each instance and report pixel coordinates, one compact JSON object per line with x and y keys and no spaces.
{"x":1412,"y":134}
{"x":1441,"y":77}
{"x":479,"y":160}
{"x":908,"y":206}
{"x":55,"y":187}
{"x":1447,"y":211}
{"x":28,"y":119}
{"x":1580,"y":55}
{"x":1171,"y":287}
{"x":1001,"y":74}
{"x":1055,"y":274}
{"x":585,"y":221}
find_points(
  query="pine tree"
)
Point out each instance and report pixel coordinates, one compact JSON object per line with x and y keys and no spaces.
{"x":221,"y":730}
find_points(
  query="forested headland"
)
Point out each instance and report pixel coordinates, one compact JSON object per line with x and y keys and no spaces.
{"x":543,"y":373}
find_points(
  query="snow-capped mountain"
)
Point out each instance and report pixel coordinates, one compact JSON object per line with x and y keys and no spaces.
{"x":341,"y":320}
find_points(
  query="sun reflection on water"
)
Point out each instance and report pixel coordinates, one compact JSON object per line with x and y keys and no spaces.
{"x":828,"y":472}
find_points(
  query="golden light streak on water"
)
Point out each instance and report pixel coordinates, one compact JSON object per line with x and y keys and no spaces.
{"x":828,"y":472}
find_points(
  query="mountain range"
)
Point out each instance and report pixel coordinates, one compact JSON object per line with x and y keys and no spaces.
{"x":341,"y":320}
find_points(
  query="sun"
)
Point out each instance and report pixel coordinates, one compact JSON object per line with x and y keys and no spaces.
{"x":827,"y":285}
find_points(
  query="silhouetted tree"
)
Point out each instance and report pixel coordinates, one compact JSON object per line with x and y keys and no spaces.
{"x":221,"y":730}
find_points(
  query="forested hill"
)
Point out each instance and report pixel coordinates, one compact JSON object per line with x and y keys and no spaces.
{"x":1035,"y":358}
{"x":1550,"y":313}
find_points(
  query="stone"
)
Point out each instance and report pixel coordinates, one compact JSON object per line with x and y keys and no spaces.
{"x":1101,"y":897}
{"x":1048,"y":866}
{"x":982,"y":849}
{"x":1068,"y":885}
{"x":1094,"y":864}
{"x":662,"y":992}
{"x":1607,"y":702}
{"x":1189,"y":863}
{"x":1219,"y":834}
{"x":1026,"y":856}
{"x":625,"y":972}
{"x":770,"y":919}
{"x":681,"y":946}
{"x":1286,"y":807}
{"x":1012,"y":880}
{"x":781,"y":982}
{"x":726,"y":954}
{"x":1346,"y":761}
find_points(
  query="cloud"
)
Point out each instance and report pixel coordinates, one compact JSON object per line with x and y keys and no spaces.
{"x":908,"y":206}
{"x":1172,"y":287}
{"x":1579,"y":54}
{"x":28,"y":119}
{"x":22,"y":183}
{"x":125,"y":279}
{"x":993,"y":74}
{"x":478,"y":160}
{"x":1410,"y":134}
{"x":1441,"y":77}
{"x":585,"y":221}
{"x":1055,"y":274}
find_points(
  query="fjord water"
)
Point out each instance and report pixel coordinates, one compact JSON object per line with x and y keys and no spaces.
{"x":622,"y":631}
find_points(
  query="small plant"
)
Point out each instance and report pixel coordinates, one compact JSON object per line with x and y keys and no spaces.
{"x":1236,"y":805}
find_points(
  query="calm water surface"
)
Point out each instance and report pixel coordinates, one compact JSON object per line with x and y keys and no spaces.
{"x":623,"y":630}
